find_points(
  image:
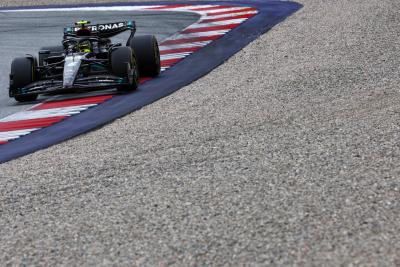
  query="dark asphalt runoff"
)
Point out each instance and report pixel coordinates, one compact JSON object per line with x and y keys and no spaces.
{"x":25,"y":32}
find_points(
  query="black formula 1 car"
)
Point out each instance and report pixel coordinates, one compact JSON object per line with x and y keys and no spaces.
{"x":86,"y":60}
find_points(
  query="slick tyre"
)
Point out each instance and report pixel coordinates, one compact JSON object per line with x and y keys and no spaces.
{"x":123,"y":64}
{"x":147,"y":54}
{"x":54,"y":51}
{"x":23,"y":72}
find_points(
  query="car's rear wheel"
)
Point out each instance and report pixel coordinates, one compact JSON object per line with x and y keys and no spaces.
{"x":49,"y":51}
{"x":123,"y":64}
{"x":23,"y":72}
{"x":147,"y":54}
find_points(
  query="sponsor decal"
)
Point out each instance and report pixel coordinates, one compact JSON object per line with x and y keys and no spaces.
{"x":103,"y":27}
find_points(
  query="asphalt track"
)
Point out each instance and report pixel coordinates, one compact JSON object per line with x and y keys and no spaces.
{"x":287,"y":155}
{"x":24,"y":33}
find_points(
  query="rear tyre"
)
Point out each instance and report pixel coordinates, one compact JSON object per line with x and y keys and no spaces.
{"x":147,"y":55}
{"x":123,"y":64}
{"x":54,"y":51}
{"x":23,"y":72}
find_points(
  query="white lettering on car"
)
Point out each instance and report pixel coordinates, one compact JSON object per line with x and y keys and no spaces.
{"x":103,"y":27}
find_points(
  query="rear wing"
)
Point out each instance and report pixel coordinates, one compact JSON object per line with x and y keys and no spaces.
{"x":103,"y":30}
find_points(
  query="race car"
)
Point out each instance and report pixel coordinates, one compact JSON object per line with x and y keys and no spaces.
{"x":86,"y":60}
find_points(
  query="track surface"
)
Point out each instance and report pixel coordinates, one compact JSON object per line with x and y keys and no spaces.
{"x":25,"y":32}
{"x":286,"y":155}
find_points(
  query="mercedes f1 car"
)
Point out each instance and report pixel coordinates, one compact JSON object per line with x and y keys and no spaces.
{"x":86,"y":60}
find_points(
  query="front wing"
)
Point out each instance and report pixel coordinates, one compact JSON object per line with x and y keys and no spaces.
{"x":90,"y":83}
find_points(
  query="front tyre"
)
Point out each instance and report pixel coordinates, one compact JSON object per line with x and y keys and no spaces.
{"x":23,"y":73}
{"x":147,"y":54}
{"x":123,"y":64}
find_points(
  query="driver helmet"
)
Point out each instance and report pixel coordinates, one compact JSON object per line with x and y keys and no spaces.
{"x":85,"y":47}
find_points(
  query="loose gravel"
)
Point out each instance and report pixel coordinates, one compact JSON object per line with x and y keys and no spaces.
{"x":288,"y":154}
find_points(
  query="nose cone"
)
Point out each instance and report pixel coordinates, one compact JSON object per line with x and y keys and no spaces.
{"x":71,"y":68}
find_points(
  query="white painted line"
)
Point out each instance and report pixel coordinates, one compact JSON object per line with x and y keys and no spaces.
{"x":227,"y":16}
{"x":6,"y":136}
{"x":216,"y":23}
{"x":233,"y":9}
{"x":177,"y":46}
{"x":172,"y":56}
{"x":69,"y":9}
{"x":46,"y":113}
{"x":200,"y":34}
{"x":200,"y":6}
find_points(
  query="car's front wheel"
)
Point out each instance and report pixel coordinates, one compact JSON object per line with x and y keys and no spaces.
{"x":23,"y":72}
{"x":123,"y":64}
{"x":147,"y":54}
